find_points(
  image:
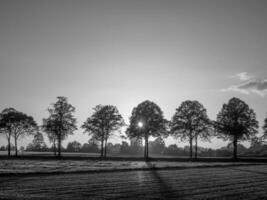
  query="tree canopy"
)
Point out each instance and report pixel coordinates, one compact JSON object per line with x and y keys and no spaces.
{"x":191,"y":121}
{"x":16,"y":124}
{"x":264,"y":137}
{"x":157,"y":146}
{"x":236,"y":121}
{"x":104,"y":121}
{"x":38,"y":143}
{"x":60,"y":122}
{"x":74,"y":146}
{"x":147,"y":120}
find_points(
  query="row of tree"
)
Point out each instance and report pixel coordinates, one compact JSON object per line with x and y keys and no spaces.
{"x":157,"y":148}
{"x":235,"y":122}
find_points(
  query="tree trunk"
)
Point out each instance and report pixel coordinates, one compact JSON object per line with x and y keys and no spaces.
{"x":191,"y":146}
{"x":196,"y":147}
{"x":105,"y":155}
{"x":8,"y":146}
{"x":59,"y":146}
{"x":54,"y":147}
{"x":16,"y":148}
{"x":235,"y":148}
{"x":102,"y":145}
{"x":146,"y":148}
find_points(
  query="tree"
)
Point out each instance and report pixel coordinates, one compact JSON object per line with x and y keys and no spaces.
{"x":6,"y":118}
{"x":74,"y":146}
{"x":17,"y":125}
{"x":38,"y":143}
{"x":189,"y":122}
{"x":91,"y":146}
{"x":60,"y":122}
{"x":105,"y":120}
{"x":114,"y":149}
{"x":257,"y":146}
{"x":136,"y":146}
{"x":53,"y":139}
{"x":157,"y":146}
{"x":125,"y":149}
{"x":2,"y":148}
{"x":173,"y":149}
{"x":147,"y":120}
{"x":237,"y":122}
{"x":264,"y":137}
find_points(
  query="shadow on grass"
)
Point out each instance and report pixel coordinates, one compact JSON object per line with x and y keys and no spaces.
{"x":165,"y":190}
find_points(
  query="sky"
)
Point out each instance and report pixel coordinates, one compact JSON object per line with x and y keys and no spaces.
{"x":122,"y":52}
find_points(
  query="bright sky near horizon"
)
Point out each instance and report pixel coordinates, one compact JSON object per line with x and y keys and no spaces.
{"x":122,"y":52}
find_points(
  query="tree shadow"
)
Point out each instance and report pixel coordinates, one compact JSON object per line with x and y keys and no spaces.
{"x":166,"y":191}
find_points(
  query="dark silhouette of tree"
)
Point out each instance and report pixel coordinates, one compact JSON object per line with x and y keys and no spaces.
{"x":264,"y":136}
{"x":37,"y":144}
{"x":91,"y":146}
{"x":52,"y":138}
{"x":157,"y":146}
{"x":60,"y":122}
{"x":174,"y":150}
{"x":17,"y":125}
{"x":191,"y":121}
{"x":205,"y":128}
{"x":74,"y":146}
{"x":136,"y":146}
{"x":125,"y":148}
{"x":105,"y":120}
{"x":236,"y":121}
{"x":114,"y":149}
{"x":6,"y":118}
{"x":147,"y":120}
{"x":257,"y":146}
{"x":2,"y":148}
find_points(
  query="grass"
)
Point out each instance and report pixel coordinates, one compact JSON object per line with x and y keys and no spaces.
{"x":43,"y":177}
{"x":225,"y":182}
{"x":96,"y":156}
{"x":48,"y":166}
{"x":50,"y":154}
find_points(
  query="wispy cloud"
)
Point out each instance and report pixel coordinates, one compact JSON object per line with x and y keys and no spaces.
{"x":243,"y":76}
{"x":249,"y":85}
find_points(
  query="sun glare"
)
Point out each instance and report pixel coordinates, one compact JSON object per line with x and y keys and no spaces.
{"x":140,"y":124}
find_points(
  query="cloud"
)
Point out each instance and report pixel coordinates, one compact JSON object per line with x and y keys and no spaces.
{"x":249,"y":85}
{"x":243,"y":76}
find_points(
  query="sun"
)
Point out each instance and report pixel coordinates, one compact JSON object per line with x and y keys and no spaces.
{"x":140,"y":124}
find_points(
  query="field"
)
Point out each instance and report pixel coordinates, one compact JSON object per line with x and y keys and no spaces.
{"x":48,"y":166}
{"x":226,"y":182}
{"x":106,"y":179}
{"x":49,"y":154}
